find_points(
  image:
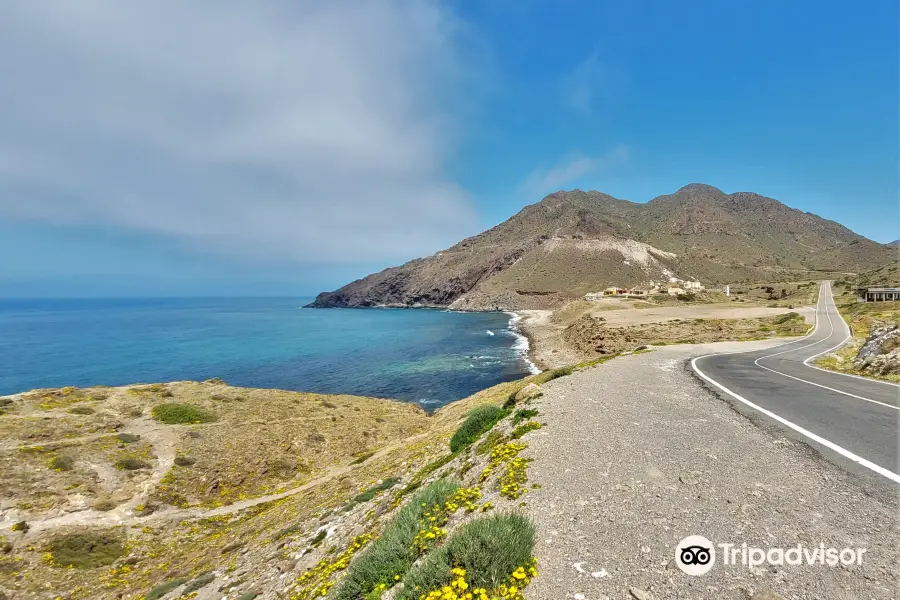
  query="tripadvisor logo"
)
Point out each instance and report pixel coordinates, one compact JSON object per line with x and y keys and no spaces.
{"x":696,"y":555}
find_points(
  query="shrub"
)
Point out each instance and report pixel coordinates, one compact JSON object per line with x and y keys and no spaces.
{"x":85,"y":550}
{"x":62,"y":463}
{"x":393,"y":553}
{"x":489,"y":549}
{"x":375,"y":489}
{"x":184,"y":461}
{"x":510,"y":400}
{"x":248,"y":596}
{"x":20,"y":526}
{"x":524,"y":428}
{"x":104,"y":505}
{"x":560,"y":372}
{"x":480,"y":420}
{"x":130,"y":464}
{"x":785,"y":318}
{"x":362,"y":458}
{"x":81,"y":410}
{"x":128,"y":438}
{"x":175,"y":413}
{"x":200,"y":582}
{"x":523,"y":415}
{"x":161,"y":590}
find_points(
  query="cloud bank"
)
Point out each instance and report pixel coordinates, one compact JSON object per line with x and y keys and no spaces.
{"x":275,"y":131}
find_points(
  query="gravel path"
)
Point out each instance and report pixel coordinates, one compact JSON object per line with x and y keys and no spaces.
{"x":636,"y":454}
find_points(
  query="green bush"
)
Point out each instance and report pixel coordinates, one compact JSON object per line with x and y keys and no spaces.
{"x":524,"y":428}
{"x":248,"y":596}
{"x":523,"y":415}
{"x":161,"y":590}
{"x":786,"y":317}
{"x":175,"y":413}
{"x":393,"y":553}
{"x":130,"y":464}
{"x":62,"y":463}
{"x":184,"y":461}
{"x":200,"y":582}
{"x":128,"y":438}
{"x":85,"y":550}
{"x":480,"y":420}
{"x":375,"y":489}
{"x":489,"y":549}
{"x":20,"y":526}
{"x":81,"y":410}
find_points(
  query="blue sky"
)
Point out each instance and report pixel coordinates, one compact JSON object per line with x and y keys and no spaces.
{"x":285,"y":148}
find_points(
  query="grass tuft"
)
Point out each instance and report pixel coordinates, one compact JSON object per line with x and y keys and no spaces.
{"x":376,"y":489}
{"x":161,"y":590}
{"x":489,"y":549}
{"x":393,"y":553}
{"x":479,"y":421}
{"x":175,"y":413}
{"x":85,"y":550}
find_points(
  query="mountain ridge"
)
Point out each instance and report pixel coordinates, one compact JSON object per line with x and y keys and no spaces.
{"x":573,"y":242}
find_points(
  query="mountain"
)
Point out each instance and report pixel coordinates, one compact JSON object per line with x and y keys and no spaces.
{"x":571,"y":243}
{"x":894,"y":243}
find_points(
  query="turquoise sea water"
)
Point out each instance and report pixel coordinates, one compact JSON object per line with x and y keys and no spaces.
{"x":426,"y":356}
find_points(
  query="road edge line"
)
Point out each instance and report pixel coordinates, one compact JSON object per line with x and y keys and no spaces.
{"x":805,"y":432}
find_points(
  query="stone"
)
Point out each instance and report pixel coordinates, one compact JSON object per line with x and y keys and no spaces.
{"x":765,"y":595}
{"x":529,"y":391}
{"x":638,"y":594}
{"x":692,"y":478}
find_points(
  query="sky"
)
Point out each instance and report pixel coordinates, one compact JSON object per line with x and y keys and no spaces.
{"x":285,"y":147}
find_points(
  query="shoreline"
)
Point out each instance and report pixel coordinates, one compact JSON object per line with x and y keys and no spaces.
{"x":524,"y":342}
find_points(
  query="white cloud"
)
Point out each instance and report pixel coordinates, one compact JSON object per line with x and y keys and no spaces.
{"x":583,"y":85}
{"x":544,"y":180}
{"x":277,"y":130}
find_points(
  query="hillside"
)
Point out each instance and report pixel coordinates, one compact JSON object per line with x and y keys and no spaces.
{"x":189,"y":489}
{"x":571,"y":243}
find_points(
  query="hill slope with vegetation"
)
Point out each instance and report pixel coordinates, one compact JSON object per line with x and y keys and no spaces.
{"x":575,"y":242}
{"x":204,"y":490}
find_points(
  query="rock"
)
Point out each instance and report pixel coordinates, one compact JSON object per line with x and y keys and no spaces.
{"x":880,"y":354}
{"x":765,"y":595}
{"x":692,"y":478}
{"x":638,"y":594}
{"x":529,"y":391}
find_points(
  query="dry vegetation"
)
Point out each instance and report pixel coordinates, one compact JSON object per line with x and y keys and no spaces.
{"x":275,"y":494}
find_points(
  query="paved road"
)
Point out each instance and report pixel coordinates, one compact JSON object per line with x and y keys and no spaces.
{"x":848,"y":418}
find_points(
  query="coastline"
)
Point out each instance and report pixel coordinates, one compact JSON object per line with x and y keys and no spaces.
{"x":524,"y":342}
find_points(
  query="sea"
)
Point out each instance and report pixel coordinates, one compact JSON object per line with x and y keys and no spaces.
{"x":427,"y":356}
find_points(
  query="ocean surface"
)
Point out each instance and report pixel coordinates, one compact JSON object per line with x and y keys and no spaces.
{"x":427,"y":356}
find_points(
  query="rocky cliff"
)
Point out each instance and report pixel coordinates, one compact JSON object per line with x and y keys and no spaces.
{"x":571,"y":243}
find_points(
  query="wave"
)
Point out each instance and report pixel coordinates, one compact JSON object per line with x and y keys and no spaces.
{"x":489,"y":332}
{"x":521,"y":345}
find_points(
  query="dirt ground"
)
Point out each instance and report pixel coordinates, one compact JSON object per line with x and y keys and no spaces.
{"x":568,"y":335}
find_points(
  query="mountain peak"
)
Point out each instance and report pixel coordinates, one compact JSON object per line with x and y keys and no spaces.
{"x":700,"y":188}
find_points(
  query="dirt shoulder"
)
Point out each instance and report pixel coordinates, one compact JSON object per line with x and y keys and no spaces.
{"x":635,"y":454}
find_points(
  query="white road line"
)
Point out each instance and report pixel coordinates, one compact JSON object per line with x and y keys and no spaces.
{"x":805,"y":432}
{"x":823,"y":293}
{"x":846,"y":339}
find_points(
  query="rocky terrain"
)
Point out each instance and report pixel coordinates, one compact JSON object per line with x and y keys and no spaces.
{"x":572,"y":243}
{"x":880,"y":354}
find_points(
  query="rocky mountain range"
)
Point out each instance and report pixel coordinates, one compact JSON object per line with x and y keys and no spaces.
{"x":572,"y":243}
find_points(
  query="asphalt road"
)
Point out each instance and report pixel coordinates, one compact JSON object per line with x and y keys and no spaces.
{"x":853,"y":420}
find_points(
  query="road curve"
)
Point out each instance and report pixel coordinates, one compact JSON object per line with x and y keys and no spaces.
{"x":852,"y":418}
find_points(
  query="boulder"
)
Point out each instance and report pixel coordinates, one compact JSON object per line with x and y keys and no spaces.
{"x":529,"y":391}
{"x":880,"y":354}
